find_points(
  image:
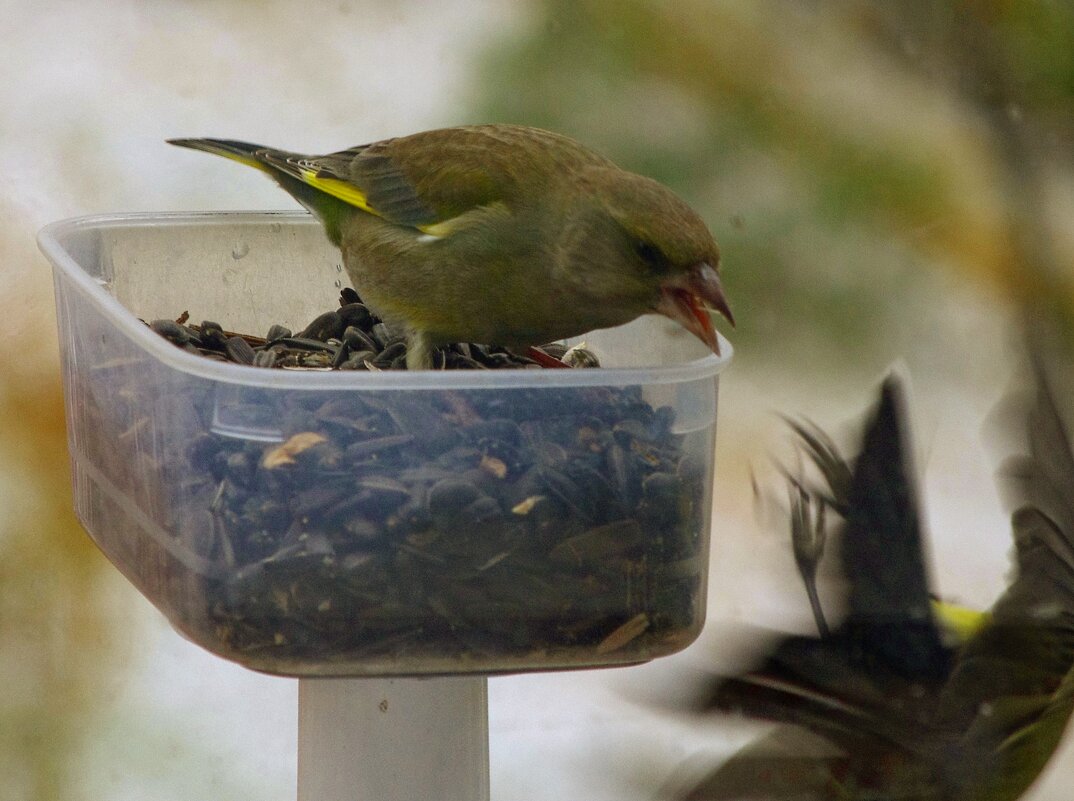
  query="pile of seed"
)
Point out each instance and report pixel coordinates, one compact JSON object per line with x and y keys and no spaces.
{"x":349,"y":338}
{"x":412,"y":531}
{"x":452,"y":526}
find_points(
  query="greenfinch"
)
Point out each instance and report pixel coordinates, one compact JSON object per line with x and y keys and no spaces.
{"x":893,"y":703}
{"x":500,"y":234}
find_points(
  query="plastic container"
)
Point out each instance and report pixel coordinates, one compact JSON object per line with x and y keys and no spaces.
{"x":351,"y":523}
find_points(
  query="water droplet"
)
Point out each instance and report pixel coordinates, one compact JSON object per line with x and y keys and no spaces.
{"x":240,"y":250}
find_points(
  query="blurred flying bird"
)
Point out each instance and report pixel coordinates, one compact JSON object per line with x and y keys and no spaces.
{"x":902,"y":699}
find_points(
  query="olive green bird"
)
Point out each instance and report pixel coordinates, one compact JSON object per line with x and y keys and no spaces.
{"x":500,"y":234}
{"x":892,"y":703}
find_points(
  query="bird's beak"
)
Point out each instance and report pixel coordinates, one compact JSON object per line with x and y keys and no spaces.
{"x":683,"y":299}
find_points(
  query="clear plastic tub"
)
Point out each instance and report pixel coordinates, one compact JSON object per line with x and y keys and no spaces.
{"x":352,"y":523}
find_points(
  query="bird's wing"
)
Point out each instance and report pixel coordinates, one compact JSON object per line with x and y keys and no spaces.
{"x":435,"y":182}
{"x":1004,"y":751}
{"x":1012,"y":690}
{"x":793,"y":764}
{"x":888,"y":647}
{"x":889,"y":619}
{"x":1042,"y":487}
{"x":1028,"y":647}
{"x":820,"y":684}
{"x":364,"y":177}
{"x":788,"y":764}
{"x":834,"y":469}
{"x":869,"y":687}
{"x":427,"y":180}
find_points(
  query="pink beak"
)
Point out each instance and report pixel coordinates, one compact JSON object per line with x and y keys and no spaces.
{"x":683,"y":299}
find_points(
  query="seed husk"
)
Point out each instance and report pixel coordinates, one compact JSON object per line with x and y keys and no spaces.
{"x":239,"y":350}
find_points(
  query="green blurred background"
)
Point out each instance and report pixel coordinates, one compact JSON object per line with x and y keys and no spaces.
{"x":890,"y":182}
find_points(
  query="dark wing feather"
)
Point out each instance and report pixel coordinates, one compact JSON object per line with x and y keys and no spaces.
{"x":1028,"y":648}
{"x":389,"y":191}
{"x":434,"y":176}
{"x":869,"y":688}
{"x":883,"y":553}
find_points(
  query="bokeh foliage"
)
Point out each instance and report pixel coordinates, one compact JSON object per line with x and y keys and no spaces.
{"x":59,"y":646}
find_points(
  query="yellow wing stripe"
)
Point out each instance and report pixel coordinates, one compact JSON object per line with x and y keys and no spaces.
{"x":438,"y":229}
{"x":961,"y":622}
{"x":443,"y":228}
{"x":352,"y":195}
{"x":337,"y":188}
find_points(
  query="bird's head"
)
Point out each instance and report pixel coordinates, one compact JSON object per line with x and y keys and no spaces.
{"x":656,"y":250}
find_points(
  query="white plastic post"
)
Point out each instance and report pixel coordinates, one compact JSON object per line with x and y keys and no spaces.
{"x":393,"y":739}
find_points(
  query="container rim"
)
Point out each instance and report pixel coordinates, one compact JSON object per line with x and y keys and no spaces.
{"x":51,"y":241}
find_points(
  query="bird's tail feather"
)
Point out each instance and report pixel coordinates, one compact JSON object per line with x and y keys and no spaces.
{"x":242,"y":152}
{"x":278,"y":164}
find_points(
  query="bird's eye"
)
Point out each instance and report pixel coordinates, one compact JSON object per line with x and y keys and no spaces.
{"x":649,"y":253}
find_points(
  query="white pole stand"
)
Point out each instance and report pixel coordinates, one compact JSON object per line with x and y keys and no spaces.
{"x":393,"y":739}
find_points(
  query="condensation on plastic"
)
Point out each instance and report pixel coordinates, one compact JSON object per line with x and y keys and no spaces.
{"x":247,"y":271}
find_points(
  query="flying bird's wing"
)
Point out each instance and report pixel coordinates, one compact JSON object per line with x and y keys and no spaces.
{"x":867,"y":688}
